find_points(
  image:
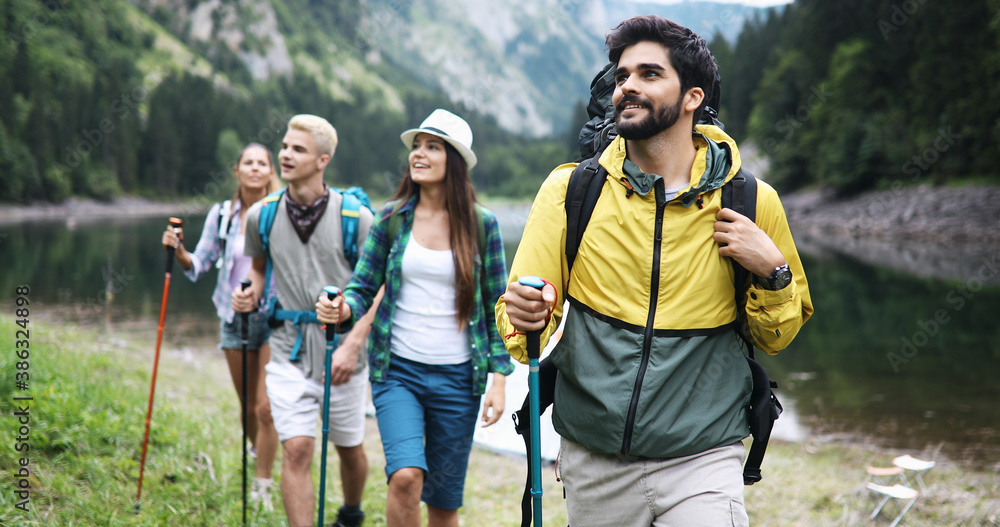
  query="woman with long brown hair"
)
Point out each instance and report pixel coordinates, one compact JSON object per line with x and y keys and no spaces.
{"x":433,"y":344}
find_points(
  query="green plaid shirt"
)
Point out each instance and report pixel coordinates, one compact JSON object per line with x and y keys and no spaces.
{"x":381,"y":263}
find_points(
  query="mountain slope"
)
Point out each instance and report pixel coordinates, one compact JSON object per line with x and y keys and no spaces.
{"x":509,"y":59}
{"x":155,"y":97}
{"x":524,"y":63}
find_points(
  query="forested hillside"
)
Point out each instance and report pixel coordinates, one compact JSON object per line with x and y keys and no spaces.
{"x":860,"y":94}
{"x":154,"y":97}
{"x":104,"y":97}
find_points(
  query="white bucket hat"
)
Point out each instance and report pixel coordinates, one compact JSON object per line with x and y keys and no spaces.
{"x":447,"y":126}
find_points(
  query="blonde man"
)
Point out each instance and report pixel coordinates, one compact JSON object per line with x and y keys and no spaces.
{"x":307,"y":253}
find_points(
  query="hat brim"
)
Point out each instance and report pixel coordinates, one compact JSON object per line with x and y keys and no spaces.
{"x":467,"y":154}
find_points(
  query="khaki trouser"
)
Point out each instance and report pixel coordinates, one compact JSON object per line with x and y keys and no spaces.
{"x":700,"y":490}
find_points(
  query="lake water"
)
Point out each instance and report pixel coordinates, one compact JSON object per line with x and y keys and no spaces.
{"x":906,"y":361}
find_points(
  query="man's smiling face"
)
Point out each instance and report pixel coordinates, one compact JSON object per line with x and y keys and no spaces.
{"x":647,"y":95}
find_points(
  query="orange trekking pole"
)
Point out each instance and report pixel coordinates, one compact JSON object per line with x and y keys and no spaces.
{"x":176,"y":223}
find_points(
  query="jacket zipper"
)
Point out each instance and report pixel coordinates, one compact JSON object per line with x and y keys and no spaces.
{"x":647,"y":336}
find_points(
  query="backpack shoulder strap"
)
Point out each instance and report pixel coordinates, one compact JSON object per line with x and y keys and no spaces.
{"x":225,"y":219}
{"x":762,"y":411}
{"x":395,"y":220}
{"x":740,"y":195}
{"x":350,"y":214}
{"x":582,"y":193}
{"x":268,"y":211}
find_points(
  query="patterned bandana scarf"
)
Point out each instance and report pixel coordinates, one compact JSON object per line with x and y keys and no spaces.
{"x":305,"y":218}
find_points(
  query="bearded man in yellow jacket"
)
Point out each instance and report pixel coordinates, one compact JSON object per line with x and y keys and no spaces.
{"x":651,"y":395}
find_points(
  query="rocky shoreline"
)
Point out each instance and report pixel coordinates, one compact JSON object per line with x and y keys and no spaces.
{"x":77,"y":209}
{"x":922,"y":213}
{"x":935,"y":232}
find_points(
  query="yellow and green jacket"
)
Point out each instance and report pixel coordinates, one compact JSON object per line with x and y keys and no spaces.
{"x":649,"y":360}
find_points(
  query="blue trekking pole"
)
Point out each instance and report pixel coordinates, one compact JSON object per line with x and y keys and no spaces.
{"x":536,"y":444}
{"x":244,"y":335}
{"x":331,"y":345}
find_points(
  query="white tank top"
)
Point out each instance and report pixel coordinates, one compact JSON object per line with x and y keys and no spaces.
{"x":425,"y":326}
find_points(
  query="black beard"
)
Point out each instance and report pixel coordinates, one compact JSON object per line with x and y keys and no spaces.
{"x":658,"y":120}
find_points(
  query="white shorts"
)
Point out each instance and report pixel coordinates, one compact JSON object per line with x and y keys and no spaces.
{"x":296,"y":404}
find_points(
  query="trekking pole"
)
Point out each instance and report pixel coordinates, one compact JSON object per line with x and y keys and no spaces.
{"x":176,"y":223}
{"x":331,"y":345}
{"x":536,"y":445}
{"x":244,"y":334}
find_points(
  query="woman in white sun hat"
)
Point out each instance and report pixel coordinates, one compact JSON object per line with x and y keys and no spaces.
{"x":433,"y":345}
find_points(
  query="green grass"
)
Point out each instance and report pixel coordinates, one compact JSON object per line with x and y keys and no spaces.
{"x":87,"y":421}
{"x":90,"y":391}
{"x":819,"y":483}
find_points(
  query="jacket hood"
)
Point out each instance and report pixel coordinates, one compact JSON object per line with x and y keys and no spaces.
{"x":715,"y":163}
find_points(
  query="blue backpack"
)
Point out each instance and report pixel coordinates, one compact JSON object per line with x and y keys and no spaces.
{"x":350,"y":213}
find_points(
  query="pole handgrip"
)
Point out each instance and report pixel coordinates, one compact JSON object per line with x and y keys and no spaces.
{"x":332,"y":292}
{"x":244,"y":285}
{"x":176,"y":223}
{"x":533,"y":336}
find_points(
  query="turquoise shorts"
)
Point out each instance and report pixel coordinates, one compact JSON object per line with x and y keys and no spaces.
{"x":434,"y":403}
{"x":230,"y":337}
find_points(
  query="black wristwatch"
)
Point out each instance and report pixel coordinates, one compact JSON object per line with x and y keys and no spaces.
{"x":779,"y":279}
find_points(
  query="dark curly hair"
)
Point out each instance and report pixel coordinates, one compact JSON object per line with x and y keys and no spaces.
{"x":689,"y":54}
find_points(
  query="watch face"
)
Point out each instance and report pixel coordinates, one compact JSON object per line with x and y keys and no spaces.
{"x":780,"y":278}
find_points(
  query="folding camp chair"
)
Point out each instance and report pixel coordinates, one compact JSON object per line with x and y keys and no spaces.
{"x":896,"y":491}
{"x":882,"y":475}
{"x":917,"y":467}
